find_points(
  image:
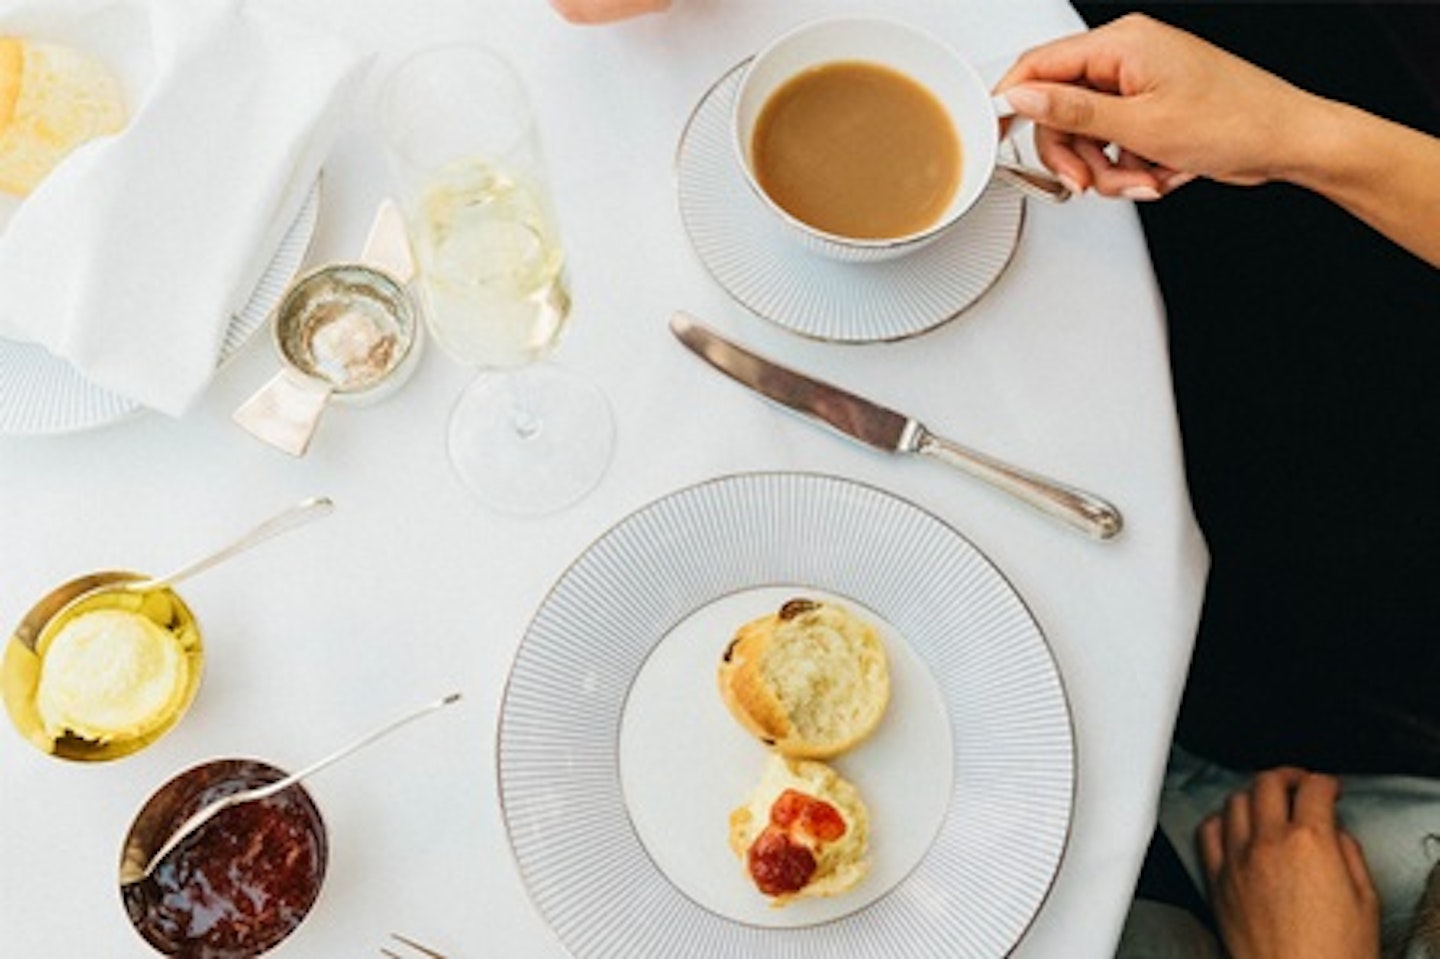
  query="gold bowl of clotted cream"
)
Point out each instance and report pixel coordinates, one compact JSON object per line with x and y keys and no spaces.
{"x":97,"y":671}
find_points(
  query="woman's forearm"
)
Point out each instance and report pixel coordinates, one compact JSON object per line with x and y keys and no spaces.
{"x":1386,"y":174}
{"x":1179,"y":107}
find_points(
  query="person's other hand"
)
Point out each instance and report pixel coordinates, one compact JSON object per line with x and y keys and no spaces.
{"x":604,"y":11}
{"x":1175,"y":106}
{"x":1285,"y":880}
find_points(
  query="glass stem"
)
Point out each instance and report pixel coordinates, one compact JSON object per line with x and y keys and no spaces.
{"x":524,"y":418}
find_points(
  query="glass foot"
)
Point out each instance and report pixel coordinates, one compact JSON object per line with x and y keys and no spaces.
{"x":531,"y":441}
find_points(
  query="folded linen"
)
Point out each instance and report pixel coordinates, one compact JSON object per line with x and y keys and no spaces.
{"x":130,"y":258}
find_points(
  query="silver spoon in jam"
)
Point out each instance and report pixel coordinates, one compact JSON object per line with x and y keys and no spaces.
{"x":135,"y":868}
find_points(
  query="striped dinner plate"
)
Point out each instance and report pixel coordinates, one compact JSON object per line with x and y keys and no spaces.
{"x":619,"y":763}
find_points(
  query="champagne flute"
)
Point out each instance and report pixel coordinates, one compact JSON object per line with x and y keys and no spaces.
{"x":527,"y":437}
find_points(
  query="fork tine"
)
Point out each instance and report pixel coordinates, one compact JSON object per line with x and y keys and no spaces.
{"x":423,"y":950}
{"x":391,"y":955}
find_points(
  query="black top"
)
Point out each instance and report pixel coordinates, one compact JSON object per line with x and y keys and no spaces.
{"x":1306,"y":357}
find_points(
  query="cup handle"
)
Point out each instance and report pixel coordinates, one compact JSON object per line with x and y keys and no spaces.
{"x":285,"y":411}
{"x":1032,"y":181}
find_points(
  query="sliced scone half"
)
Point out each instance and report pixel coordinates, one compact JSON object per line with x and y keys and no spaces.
{"x":804,"y":832}
{"x":810,"y":680}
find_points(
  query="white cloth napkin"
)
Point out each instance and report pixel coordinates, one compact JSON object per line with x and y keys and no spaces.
{"x":130,"y":258}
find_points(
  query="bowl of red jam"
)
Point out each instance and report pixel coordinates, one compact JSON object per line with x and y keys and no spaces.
{"x":242,"y":883}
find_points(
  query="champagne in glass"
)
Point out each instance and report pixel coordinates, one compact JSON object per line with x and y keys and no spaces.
{"x":495,"y":271}
{"x":526,"y":437}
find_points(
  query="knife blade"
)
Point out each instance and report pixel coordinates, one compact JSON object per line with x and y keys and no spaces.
{"x":893,"y":432}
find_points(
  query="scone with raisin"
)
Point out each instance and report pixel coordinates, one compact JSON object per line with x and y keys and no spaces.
{"x":810,"y":681}
{"x":803,"y":832}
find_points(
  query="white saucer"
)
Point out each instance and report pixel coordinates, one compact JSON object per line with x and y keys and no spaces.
{"x":750,"y":256}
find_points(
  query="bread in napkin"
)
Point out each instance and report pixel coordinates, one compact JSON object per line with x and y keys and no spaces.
{"x":803,"y":832}
{"x":132,"y":258}
{"x":811,"y":680}
{"x":53,"y":97}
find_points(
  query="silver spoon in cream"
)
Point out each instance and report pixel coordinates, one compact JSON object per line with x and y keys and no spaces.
{"x":296,"y":516}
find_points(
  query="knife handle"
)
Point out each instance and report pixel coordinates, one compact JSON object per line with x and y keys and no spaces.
{"x":1086,"y":512}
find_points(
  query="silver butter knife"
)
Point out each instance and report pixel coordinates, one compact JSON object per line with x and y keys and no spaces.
{"x":890,"y":431}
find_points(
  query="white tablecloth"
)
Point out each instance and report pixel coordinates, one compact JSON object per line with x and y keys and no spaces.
{"x":412,"y":589}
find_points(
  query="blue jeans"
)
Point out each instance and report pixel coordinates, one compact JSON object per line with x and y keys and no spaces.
{"x":1395,"y":818}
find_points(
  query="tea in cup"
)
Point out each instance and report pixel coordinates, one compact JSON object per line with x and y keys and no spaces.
{"x":867,"y":138}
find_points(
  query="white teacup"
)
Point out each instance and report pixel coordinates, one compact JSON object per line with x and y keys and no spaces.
{"x":948,"y":76}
